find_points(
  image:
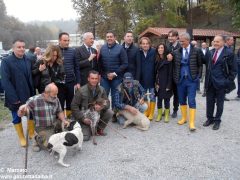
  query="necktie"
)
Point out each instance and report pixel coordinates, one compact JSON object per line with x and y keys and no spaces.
{"x":215,"y":57}
{"x":89,"y":50}
{"x":186,"y":53}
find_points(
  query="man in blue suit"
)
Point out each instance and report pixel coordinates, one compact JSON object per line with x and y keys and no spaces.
{"x":220,"y":72}
{"x":18,"y":85}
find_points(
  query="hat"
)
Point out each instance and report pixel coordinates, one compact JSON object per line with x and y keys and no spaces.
{"x":127,"y":77}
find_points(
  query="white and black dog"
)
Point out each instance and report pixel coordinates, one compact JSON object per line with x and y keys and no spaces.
{"x":73,"y":138}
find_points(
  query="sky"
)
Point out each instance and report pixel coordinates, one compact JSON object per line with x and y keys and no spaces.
{"x":42,"y":10}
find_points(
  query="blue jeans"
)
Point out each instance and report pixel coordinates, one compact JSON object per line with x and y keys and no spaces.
{"x":141,"y":107}
{"x":16,"y":118}
{"x":187,"y":89}
{"x":111,"y":85}
{"x":152,"y":96}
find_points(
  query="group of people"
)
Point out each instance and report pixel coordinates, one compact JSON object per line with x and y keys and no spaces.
{"x":69,"y":79}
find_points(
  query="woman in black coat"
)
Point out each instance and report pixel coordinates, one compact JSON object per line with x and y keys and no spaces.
{"x":163,"y":83}
{"x":50,"y":70}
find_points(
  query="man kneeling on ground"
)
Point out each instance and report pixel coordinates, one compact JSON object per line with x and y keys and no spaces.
{"x":129,"y":96}
{"x":47,"y":112}
{"x":89,"y":94}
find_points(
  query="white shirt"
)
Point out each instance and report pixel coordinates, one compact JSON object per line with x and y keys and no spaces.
{"x":188,"y":50}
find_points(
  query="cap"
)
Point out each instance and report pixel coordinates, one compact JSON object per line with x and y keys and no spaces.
{"x":127,"y":77}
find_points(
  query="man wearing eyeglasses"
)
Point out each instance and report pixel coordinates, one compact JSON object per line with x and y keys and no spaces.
{"x":46,"y":110}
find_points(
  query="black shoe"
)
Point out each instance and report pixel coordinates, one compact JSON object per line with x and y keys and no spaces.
{"x":208,"y":123}
{"x":216,"y":125}
{"x":226,"y":99}
{"x":174,"y":114}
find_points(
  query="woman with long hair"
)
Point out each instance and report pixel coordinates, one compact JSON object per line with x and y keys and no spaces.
{"x":163,"y":83}
{"x":50,"y":69}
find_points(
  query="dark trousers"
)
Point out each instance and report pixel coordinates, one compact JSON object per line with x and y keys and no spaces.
{"x":175,"y":97}
{"x":187,"y":90}
{"x":238,"y":92}
{"x":66,"y":93}
{"x":166,"y":103}
{"x":105,"y":116}
{"x":214,"y":96}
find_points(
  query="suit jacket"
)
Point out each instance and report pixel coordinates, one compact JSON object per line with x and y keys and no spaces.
{"x":216,"y":73}
{"x":85,"y":65}
{"x":195,"y":63}
{"x":17,"y":84}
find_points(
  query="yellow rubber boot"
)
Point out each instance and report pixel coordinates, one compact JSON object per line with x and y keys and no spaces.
{"x":166,"y":115}
{"x":152,"y":108}
{"x":159,"y":116}
{"x":192,"y":113}
{"x":184,"y":115}
{"x":30,"y":128}
{"x":68,"y":113}
{"x":147,"y":112}
{"x":20,"y":133}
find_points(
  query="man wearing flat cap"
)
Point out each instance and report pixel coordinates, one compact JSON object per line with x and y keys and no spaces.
{"x":130,"y":97}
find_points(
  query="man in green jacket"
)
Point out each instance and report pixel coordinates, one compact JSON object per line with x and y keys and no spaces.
{"x":88,"y":94}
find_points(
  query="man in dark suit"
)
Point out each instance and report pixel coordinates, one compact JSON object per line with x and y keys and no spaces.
{"x":131,"y":50}
{"x":18,"y":85}
{"x":205,"y":52}
{"x":87,"y":57}
{"x":172,"y":45}
{"x":221,"y":71}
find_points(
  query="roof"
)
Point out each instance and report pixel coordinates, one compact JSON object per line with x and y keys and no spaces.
{"x":159,"y":31}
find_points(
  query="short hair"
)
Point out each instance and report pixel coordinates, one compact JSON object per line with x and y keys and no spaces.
{"x":221,"y":36}
{"x":32,"y":49}
{"x":61,"y":34}
{"x":227,"y":37}
{"x":173,"y":32}
{"x":110,"y":31}
{"x":93,"y":72}
{"x":185,"y":35}
{"x":18,"y":40}
{"x":86,"y":34}
{"x":128,"y":32}
{"x":144,"y":38}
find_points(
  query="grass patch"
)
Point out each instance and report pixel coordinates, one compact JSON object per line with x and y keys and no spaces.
{"x":5,"y":114}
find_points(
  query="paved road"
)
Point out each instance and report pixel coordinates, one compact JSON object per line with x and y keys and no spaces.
{"x":166,"y":151}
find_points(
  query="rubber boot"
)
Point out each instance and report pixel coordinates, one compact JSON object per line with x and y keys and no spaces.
{"x":192,"y":113}
{"x":30,"y":128}
{"x":20,"y":133}
{"x":68,"y":113}
{"x":147,"y":112}
{"x":152,"y":108}
{"x":167,"y":111}
{"x":159,"y":116}
{"x":184,"y":115}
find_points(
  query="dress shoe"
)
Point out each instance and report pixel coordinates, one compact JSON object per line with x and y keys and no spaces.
{"x":208,"y":123}
{"x":174,"y":114}
{"x":216,"y":125}
{"x":100,"y":132}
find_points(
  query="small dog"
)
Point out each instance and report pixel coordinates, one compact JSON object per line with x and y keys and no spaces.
{"x":73,"y":138}
{"x":140,"y":120}
{"x":94,"y":115}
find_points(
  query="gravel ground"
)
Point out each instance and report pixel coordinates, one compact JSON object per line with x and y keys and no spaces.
{"x":166,"y":151}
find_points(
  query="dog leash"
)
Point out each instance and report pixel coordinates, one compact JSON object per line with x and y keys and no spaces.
{"x":114,"y":129}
